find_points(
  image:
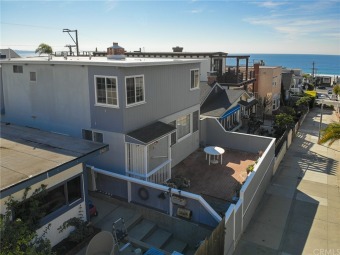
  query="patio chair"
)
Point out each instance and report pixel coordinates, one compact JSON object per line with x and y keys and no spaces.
{"x":102,"y":243}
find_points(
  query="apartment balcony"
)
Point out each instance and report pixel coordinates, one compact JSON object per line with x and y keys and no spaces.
{"x":236,"y":77}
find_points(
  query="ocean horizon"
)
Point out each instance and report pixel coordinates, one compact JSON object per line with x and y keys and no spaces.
{"x":323,"y":64}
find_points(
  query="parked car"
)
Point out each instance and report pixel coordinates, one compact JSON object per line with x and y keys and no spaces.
{"x":321,"y":87}
{"x":330,"y":91}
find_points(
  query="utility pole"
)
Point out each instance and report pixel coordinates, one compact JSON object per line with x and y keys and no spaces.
{"x":75,"y":41}
{"x":313,"y":69}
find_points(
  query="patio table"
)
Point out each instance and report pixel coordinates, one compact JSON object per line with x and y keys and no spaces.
{"x":215,"y":152}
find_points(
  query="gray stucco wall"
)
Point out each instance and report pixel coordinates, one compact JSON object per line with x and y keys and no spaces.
{"x":213,"y":134}
{"x":58,"y":101}
{"x":167,"y":91}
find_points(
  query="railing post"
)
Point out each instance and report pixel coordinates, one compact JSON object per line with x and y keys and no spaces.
{"x":129,"y":191}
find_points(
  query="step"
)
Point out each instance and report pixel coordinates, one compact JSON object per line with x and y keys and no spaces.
{"x":175,"y":245}
{"x":158,"y":238}
{"x":142,"y":229}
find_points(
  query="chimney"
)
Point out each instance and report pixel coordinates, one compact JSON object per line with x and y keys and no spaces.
{"x":177,"y":49}
{"x":115,"y":52}
{"x":212,"y":77}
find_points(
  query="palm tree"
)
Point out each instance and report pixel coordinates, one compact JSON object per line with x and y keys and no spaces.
{"x":44,"y":48}
{"x":331,"y":133}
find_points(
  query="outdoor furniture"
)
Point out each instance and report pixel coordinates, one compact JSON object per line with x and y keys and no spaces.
{"x":101,"y":243}
{"x":215,"y":152}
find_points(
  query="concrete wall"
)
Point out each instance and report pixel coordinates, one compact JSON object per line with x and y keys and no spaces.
{"x":58,"y":101}
{"x":118,"y":187}
{"x":213,"y":134}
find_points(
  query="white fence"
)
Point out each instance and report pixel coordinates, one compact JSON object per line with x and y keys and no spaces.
{"x":238,"y":216}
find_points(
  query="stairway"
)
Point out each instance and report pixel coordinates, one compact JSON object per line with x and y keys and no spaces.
{"x":147,"y":234}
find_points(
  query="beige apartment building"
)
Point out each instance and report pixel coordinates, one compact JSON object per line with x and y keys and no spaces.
{"x":267,"y":86}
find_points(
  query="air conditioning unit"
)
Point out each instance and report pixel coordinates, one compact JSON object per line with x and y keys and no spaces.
{"x":185,"y":213}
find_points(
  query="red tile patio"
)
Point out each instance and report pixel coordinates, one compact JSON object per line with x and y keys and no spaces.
{"x":215,"y":180}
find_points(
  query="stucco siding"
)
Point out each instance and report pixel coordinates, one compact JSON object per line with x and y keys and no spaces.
{"x":58,"y":101}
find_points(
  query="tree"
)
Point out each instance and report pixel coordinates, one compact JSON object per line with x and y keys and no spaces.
{"x":303,"y":103}
{"x":336,"y":90}
{"x":283,"y":121}
{"x":44,"y":48}
{"x":18,"y":235}
{"x":331,"y":133}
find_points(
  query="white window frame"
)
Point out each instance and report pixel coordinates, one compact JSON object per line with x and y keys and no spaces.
{"x":95,"y":91}
{"x":126,"y":98}
{"x":197,"y":85}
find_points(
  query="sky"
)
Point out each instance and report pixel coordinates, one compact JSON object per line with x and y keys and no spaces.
{"x":239,"y":26}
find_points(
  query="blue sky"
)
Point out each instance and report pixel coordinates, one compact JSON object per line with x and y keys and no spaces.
{"x":305,"y":26}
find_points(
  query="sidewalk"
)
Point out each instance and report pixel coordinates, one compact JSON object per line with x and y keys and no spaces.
{"x":300,"y":211}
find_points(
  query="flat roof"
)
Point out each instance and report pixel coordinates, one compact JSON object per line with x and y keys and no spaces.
{"x":99,"y":61}
{"x":30,"y":155}
{"x":179,"y":54}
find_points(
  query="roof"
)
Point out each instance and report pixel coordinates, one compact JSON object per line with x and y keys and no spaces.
{"x":98,"y":61}
{"x":150,"y":133}
{"x":220,"y":100}
{"x":248,"y":104}
{"x":205,"y":89}
{"x":177,"y":54}
{"x":29,"y":155}
{"x":8,"y":53}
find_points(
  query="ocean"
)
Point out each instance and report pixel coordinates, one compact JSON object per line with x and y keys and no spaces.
{"x":323,"y":64}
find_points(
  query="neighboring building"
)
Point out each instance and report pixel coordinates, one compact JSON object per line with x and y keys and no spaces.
{"x":210,"y":61}
{"x":31,"y":158}
{"x":228,"y":106}
{"x":323,"y":80}
{"x":147,"y":110}
{"x":268,"y":87}
{"x":291,"y":82}
{"x":8,"y":54}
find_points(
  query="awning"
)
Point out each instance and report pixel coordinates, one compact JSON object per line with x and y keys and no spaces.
{"x":149,"y":134}
{"x":231,"y":111}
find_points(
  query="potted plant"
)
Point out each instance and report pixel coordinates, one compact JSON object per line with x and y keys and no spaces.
{"x":250,"y":168}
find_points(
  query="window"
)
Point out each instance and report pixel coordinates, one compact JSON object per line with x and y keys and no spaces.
{"x":97,"y":137}
{"x":194,"y":79}
{"x":51,"y":200}
{"x":183,"y":126}
{"x":195,"y":121}
{"x":33,"y":76}
{"x":92,"y":136}
{"x":106,"y":91}
{"x":134,"y":90}
{"x":74,"y":190}
{"x":87,"y":134}
{"x":17,"y":69}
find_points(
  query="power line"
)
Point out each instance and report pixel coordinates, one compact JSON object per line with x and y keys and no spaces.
{"x":25,"y":25}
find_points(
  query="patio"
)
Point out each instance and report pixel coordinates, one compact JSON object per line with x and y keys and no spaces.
{"x":217,"y":183}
